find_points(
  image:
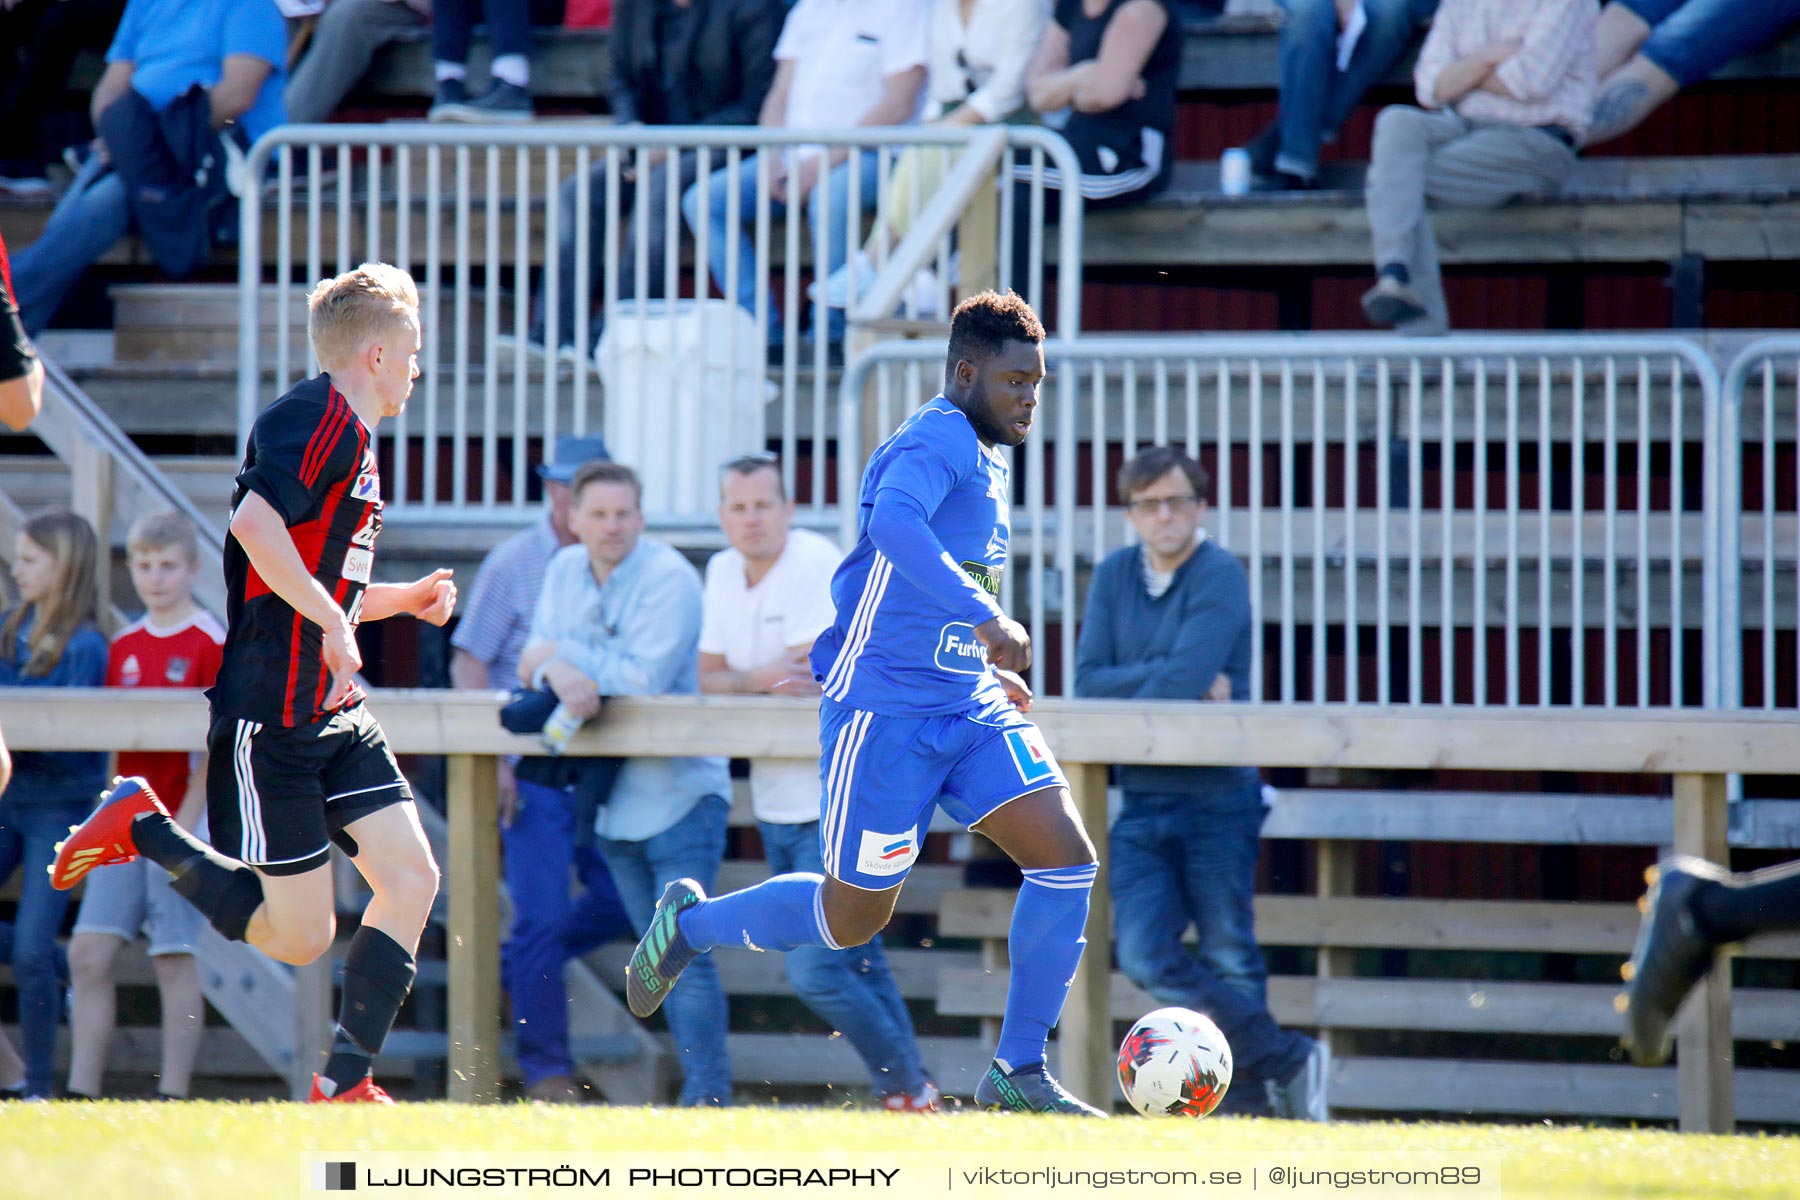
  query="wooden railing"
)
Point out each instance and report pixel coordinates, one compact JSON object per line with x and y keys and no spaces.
{"x":1699,"y":749}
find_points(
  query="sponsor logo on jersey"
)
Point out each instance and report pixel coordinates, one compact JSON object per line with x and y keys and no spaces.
{"x":359,"y":565}
{"x":131,"y":673}
{"x":368,"y":487}
{"x":987,"y":576}
{"x":1030,"y":755}
{"x":887,"y":853}
{"x":960,"y":651}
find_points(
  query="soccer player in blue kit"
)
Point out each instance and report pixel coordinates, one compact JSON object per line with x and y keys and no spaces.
{"x":923,"y":706}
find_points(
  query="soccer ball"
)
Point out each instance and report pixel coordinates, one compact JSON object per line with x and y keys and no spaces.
{"x":1176,"y":1063}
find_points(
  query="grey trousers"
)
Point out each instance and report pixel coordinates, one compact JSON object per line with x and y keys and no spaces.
{"x":1440,"y":158}
{"x":343,"y":45}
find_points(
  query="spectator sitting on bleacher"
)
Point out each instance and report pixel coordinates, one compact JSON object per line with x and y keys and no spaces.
{"x":1170,"y":619}
{"x":343,"y":44}
{"x":51,"y":639}
{"x":175,"y":644}
{"x":979,"y":52}
{"x":1105,"y":75}
{"x":674,"y":62}
{"x":509,"y":22}
{"x":1651,"y":49}
{"x":1507,"y":88}
{"x":620,"y":616}
{"x":234,"y":49}
{"x":39,"y":42}
{"x":1332,"y":51}
{"x":837,"y":64}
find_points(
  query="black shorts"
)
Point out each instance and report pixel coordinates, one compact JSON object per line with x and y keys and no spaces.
{"x":276,"y":797}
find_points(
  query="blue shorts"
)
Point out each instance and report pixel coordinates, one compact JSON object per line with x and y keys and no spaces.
{"x":1690,"y":39}
{"x":884,"y":778}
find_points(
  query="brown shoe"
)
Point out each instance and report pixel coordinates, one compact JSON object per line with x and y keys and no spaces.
{"x":555,"y":1089}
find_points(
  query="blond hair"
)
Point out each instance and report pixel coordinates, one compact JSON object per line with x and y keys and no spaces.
{"x":74,"y":598}
{"x":162,"y":531}
{"x":358,"y":307}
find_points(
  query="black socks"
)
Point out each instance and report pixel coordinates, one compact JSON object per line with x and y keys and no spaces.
{"x":378,"y":976}
{"x":226,"y":892}
{"x":1754,"y":902}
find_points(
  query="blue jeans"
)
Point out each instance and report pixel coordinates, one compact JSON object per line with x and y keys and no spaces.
{"x":1316,"y":98}
{"x":1178,"y":860}
{"x":550,"y":926}
{"x":28,"y":837}
{"x":852,"y":990}
{"x":655,"y":233}
{"x":692,"y":847}
{"x":1690,"y":39}
{"x":833,"y":191}
{"x":90,"y":217}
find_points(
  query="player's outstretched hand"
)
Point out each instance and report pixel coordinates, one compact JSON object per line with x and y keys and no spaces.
{"x":1017,"y":690}
{"x":436,"y":596}
{"x":342,"y":659}
{"x":1008,"y":644}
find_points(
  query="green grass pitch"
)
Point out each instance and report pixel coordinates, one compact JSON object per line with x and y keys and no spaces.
{"x":243,"y":1151}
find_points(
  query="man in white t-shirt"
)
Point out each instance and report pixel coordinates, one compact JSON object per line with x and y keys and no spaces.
{"x":767,"y":597}
{"x":839,"y":63}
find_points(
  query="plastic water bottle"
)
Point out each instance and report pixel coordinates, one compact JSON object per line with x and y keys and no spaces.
{"x":1234,"y":172}
{"x":558,"y":729}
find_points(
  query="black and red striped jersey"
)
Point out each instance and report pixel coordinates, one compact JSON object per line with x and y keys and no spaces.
{"x":313,"y":460}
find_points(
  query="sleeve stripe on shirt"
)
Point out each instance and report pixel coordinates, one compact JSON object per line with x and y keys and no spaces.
{"x":324,"y":439}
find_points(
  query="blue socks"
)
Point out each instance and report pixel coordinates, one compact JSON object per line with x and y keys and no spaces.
{"x":1046,"y":940}
{"x":782,"y":913}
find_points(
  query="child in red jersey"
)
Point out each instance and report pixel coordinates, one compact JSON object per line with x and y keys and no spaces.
{"x":175,"y":644}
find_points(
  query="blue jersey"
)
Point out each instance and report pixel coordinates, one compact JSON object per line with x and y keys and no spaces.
{"x":931,"y":543}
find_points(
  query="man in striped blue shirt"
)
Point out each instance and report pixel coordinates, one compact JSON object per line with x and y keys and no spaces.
{"x":922,"y":706}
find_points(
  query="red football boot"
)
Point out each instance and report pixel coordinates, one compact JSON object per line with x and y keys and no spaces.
{"x":105,"y":837}
{"x":365,"y":1092}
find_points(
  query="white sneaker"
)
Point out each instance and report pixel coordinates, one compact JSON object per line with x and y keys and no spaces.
{"x":920,"y":296}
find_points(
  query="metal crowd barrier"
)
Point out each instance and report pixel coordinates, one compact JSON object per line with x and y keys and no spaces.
{"x":1476,"y":514}
{"x":1760,"y":525}
{"x":474,"y":213}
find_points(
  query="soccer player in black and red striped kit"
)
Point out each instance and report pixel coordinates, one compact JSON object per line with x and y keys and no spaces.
{"x":296,"y":761}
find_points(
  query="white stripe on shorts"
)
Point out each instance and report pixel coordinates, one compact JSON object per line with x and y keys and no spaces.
{"x":837,"y":786}
{"x":252,"y":844}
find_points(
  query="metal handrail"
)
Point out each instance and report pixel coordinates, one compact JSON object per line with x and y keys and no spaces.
{"x":300,"y":214}
{"x":1730,"y":511}
{"x":1064,"y":356}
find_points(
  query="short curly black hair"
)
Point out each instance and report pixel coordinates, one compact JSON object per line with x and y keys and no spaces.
{"x":983,"y":324}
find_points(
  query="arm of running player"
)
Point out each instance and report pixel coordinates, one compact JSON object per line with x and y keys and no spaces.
{"x":22,"y":389}
{"x":432,"y":598}
{"x":900,"y":528}
{"x":264,"y":536}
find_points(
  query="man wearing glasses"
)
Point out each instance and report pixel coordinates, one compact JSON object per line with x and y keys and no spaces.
{"x":1169,"y":619}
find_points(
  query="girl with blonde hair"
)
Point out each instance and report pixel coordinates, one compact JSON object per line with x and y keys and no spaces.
{"x":51,"y":639}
